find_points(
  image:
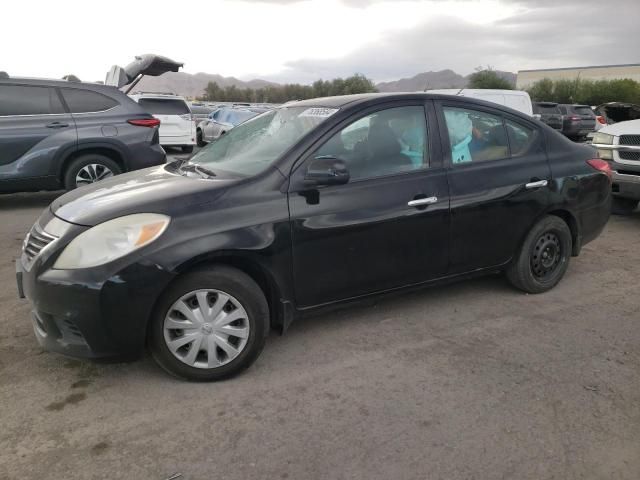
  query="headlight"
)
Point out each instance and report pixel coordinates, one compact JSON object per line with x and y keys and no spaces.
{"x":603,"y":139}
{"x":112,"y":239}
{"x":605,"y":154}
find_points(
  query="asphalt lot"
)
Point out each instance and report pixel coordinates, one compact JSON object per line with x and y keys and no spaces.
{"x":469,"y":381}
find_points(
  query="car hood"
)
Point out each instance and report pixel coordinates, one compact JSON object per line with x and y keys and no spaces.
{"x":152,"y":190}
{"x":631,"y":127}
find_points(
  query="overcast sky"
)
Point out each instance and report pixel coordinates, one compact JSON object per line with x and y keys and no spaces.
{"x":289,"y":40}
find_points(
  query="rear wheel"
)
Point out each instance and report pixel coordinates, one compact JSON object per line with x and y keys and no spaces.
{"x":209,"y":325}
{"x":543,"y":258}
{"x":623,"y":206}
{"x":187,"y":148}
{"x":88,"y":169}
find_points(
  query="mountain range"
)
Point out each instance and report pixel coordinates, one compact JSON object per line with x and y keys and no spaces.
{"x":192,"y":85}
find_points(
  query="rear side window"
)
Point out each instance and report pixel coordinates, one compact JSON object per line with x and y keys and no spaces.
{"x":85,"y":101}
{"x":475,"y":136}
{"x":584,"y":111}
{"x":521,"y":138}
{"x":548,"y":109}
{"x":162,"y":106}
{"x":29,"y":100}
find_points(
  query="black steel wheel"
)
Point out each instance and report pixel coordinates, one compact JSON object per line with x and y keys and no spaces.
{"x":543,"y":257}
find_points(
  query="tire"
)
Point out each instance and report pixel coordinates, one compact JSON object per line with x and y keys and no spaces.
{"x":253,"y":316}
{"x":93,"y":167}
{"x":187,"y":149}
{"x":529,"y":270}
{"x":199,"y":141}
{"x":623,"y":206}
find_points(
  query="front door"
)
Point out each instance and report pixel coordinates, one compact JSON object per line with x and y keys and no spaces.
{"x":389,"y":225}
{"x":498,"y":179}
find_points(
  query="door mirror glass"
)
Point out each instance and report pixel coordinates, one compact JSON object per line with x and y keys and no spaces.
{"x":326,"y":170}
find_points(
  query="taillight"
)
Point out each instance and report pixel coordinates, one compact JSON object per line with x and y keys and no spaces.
{"x":601,"y":165}
{"x":601,"y":120}
{"x":144,"y":122}
{"x":574,"y":118}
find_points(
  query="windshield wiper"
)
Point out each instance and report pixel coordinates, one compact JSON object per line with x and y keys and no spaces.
{"x":200,"y":170}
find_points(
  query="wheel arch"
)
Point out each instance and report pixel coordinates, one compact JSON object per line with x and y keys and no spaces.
{"x":250,"y":266}
{"x":571,"y":221}
{"x":108,"y":151}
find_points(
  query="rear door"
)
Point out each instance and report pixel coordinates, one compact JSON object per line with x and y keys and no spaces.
{"x":173,"y":113}
{"x":498,"y":181}
{"x":34,"y":126}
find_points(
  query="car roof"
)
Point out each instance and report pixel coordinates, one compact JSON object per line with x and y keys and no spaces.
{"x":373,"y":98}
{"x":157,"y":96}
{"x":51,"y":82}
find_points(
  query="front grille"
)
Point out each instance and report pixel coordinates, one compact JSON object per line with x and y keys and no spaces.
{"x":36,"y":240}
{"x":630,"y":155}
{"x":629,"y":139}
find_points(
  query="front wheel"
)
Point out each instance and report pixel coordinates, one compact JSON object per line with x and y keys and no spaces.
{"x":543,"y":258}
{"x":199,"y":139}
{"x":209,"y":325}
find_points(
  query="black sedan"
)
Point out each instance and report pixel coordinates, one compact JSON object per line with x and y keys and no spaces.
{"x":312,"y":204}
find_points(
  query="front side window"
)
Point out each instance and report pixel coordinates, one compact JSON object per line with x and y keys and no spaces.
{"x":164,"y":106}
{"x":475,"y":136}
{"x":383,"y":143}
{"x":85,"y":101}
{"x":251,"y":147}
{"x":28,"y":100}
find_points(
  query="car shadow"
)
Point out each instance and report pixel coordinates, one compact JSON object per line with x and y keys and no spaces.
{"x":18,"y":201}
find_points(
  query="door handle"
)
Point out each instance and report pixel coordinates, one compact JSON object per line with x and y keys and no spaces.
{"x":57,"y":125}
{"x":536,"y":184}
{"x":422,"y":201}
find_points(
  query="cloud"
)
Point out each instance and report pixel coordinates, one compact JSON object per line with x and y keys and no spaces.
{"x":543,"y":34}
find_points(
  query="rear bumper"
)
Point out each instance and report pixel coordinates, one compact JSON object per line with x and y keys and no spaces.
{"x":179,"y":141}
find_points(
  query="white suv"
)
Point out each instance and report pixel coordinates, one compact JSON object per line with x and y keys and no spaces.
{"x":177,"y":124}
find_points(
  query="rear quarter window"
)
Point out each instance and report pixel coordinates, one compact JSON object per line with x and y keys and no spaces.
{"x":162,"y":106}
{"x":86,"y":101}
{"x":584,"y":111}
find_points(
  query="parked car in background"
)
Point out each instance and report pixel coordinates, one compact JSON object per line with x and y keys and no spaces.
{"x":177,"y":127}
{"x":57,"y":134}
{"x":200,"y":111}
{"x":578,"y":120}
{"x":310,"y":205}
{"x":549,"y":114}
{"x":223,"y":120}
{"x":620,"y":145}
{"x":614,"y":112}
{"x":517,"y":99}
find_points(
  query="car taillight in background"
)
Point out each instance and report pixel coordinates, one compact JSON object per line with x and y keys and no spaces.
{"x":601,"y":165}
{"x":574,"y":118}
{"x":601,"y":120}
{"x":145,"y":122}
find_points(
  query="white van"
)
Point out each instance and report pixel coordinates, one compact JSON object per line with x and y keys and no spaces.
{"x":177,"y":124}
{"x":516,"y":99}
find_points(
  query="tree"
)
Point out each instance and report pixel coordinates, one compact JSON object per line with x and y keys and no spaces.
{"x":291,"y":91}
{"x":488,"y":78}
{"x":585,"y":91}
{"x":71,"y":78}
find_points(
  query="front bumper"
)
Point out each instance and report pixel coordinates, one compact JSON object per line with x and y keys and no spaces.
{"x":100,"y":312}
{"x":626,"y":172}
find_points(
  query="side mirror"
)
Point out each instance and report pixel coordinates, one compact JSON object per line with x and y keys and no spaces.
{"x":326,"y":170}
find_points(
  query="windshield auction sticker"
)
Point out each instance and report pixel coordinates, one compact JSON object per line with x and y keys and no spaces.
{"x":318,"y":112}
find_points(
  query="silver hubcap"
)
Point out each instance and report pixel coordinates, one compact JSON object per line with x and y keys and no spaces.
{"x":206,"y":328}
{"x":92,"y":173}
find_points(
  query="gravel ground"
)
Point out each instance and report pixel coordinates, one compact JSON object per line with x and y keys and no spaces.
{"x":468,"y":381}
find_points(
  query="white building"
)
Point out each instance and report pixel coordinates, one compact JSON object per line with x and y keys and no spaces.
{"x":602,"y":72}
